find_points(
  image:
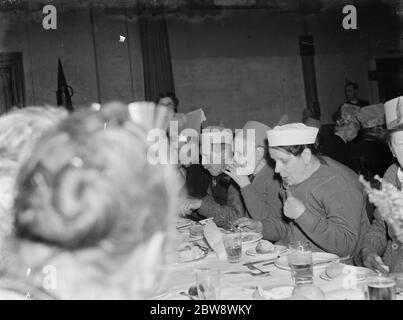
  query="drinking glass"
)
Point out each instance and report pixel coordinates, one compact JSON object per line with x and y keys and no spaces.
{"x":300,"y":262}
{"x":208,"y":283}
{"x":233,"y":246}
{"x":381,"y":288}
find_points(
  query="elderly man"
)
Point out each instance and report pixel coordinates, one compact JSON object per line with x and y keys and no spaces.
{"x":260,"y":186}
{"x":222,"y":201}
{"x":371,"y":154}
{"x":337,"y":145}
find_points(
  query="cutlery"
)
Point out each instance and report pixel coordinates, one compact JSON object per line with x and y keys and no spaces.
{"x":254,"y":268}
{"x":261,"y":274}
{"x":330,"y":261}
{"x":260,"y":261}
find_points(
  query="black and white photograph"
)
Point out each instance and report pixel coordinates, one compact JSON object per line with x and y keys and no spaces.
{"x":198,"y":151}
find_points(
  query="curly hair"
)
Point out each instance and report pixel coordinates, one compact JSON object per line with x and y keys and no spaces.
{"x":88,"y":183}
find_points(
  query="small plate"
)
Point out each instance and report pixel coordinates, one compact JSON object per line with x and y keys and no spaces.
{"x":250,"y":237}
{"x":279,"y":250}
{"x":196,"y":230}
{"x":276,"y":293}
{"x":203,"y":253}
{"x":362,"y":273}
{"x":282,"y":262}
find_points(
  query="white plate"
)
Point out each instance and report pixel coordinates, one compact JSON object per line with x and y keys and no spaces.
{"x":250,"y":237}
{"x":203,"y":253}
{"x":196,"y":230}
{"x":279,"y":250}
{"x":361,"y":273}
{"x":282,"y":262}
{"x":277,"y":293}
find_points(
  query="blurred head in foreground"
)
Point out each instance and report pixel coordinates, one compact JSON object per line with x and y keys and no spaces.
{"x":90,"y":204}
{"x":19,"y":130}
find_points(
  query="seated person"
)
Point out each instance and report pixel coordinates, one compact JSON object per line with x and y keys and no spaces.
{"x":337,"y":145}
{"x":370,"y":154}
{"x":259,"y":185}
{"x":321,"y":205}
{"x":222,"y":201}
{"x":92,"y":211}
{"x":382,"y":248}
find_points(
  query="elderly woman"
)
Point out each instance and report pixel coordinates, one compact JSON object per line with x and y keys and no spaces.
{"x":222,"y":201}
{"x":19,"y":130}
{"x":382,"y":250}
{"x":92,"y":215}
{"x":321,"y":204}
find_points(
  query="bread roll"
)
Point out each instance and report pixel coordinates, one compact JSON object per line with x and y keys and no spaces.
{"x":265,"y":246}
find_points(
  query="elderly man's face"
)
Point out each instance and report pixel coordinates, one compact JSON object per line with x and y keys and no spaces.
{"x":216,"y":161}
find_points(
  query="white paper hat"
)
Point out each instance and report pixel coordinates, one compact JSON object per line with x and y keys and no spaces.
{"x":394,"y":112}
{"x":292,"y":134}
{"x":217,"y":134}
{"x":372,"y":116}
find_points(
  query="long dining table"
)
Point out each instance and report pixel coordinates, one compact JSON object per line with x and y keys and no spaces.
{"x":243,"y":286}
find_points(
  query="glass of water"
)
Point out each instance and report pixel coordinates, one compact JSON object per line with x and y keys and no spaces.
{"x":381,"y":288}
{"x":208,"y":283}
{"x":300,"y":262}
{"x":233,"y":246}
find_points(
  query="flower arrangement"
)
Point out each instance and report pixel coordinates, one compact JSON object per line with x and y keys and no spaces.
{"x":389,"y":201}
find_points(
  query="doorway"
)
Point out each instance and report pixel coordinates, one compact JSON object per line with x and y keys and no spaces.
{"x":390,"y":78}
{"x":12,"y":92}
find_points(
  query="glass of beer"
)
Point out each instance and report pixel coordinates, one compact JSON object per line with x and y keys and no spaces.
{"x":208,"y":283}
{"x":381,"y":288}
{"x":233,"y":246}
{"x":300,"y":262}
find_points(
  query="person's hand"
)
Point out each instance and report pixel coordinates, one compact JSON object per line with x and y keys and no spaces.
{"x":189,"y":205}
{"x":293,"y":207}
{"x":373,"y":261}
{"x":249,"y":224}
{"x":241,"y":181}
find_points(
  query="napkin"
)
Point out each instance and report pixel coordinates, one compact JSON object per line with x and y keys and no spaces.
{"x":214,"y":238}
{"x":347,"y":280}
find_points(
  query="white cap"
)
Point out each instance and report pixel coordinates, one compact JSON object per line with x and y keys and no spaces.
{"x":291,"y":135}
{"x":372,"y":116}
{"x":394,"y":112}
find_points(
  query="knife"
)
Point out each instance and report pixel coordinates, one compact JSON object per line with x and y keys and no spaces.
{"x":260,"y":261}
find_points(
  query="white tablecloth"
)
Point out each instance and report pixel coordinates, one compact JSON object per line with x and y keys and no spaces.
{"x":180,"y":276}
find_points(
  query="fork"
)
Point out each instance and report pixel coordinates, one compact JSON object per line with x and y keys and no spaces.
{"x":252,"y":267}
{"x":253,"y":274}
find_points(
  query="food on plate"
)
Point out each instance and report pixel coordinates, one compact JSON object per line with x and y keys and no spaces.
{"x":309,"y":291}
{"x":196,"y":230}
{"x":265,"y":246}
{"x":189,"y":253}
{"x":334,"y":269}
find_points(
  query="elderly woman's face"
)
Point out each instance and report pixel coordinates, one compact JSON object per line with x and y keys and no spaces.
{"x":216,"y":160}
{"x":291,"y":168}
{"x":396,"y":145}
